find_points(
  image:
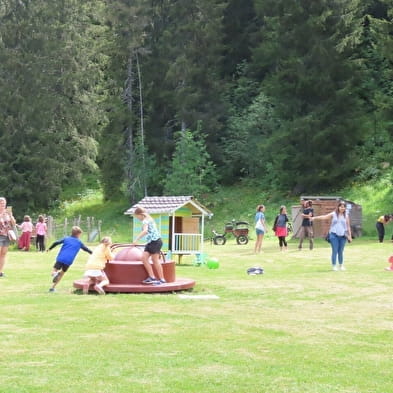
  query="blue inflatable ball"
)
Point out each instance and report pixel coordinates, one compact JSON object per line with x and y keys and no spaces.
{"x":213,"y":263}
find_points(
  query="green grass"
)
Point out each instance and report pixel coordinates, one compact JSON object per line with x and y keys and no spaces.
{"x":298,"y":328}
{"x":111,"y":213}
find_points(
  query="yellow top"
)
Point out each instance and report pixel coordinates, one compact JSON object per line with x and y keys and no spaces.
{"x":100,"y":256}
{"x":381,"y":220}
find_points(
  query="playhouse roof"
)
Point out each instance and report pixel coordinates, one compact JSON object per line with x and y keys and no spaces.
{"x":168,"y":204}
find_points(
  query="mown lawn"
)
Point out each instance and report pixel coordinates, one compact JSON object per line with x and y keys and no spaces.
{"x":298,"y":328}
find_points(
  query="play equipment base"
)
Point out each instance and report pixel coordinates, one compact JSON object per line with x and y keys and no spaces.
{"x":126,"y":273}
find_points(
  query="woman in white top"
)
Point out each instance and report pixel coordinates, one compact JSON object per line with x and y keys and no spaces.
{"x":339,"y":233}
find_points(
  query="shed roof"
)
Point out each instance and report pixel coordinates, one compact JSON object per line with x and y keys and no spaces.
{"x":168,"y":204}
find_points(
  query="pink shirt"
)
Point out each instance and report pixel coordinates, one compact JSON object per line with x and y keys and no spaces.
{"x":41,"y":228}
{"x":26,"y":226}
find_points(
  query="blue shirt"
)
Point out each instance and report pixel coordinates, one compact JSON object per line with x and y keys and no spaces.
{"x":69,"y":250}
{"x":259,"y":216}
{"x":152,"y":231}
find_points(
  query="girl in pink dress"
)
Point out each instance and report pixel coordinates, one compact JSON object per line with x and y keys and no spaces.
{"x":27,"y":229}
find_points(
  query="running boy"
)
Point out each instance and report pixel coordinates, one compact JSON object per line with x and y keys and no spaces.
{"x":65,"y":258}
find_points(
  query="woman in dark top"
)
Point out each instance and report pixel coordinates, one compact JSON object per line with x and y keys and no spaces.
{"x":280,"y":228}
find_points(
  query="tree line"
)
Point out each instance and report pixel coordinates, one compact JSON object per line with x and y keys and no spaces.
{"x":176,"y":97}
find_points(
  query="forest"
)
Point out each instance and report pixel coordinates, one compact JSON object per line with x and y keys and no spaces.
{"x":147,"y":97}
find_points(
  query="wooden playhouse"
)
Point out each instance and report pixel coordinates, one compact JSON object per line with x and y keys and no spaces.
{"x":180,"y":220}
{"x":324,"y":205}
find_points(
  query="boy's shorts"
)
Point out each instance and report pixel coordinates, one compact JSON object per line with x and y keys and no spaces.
{"x":154,"y":247}
{"x":61,"y":266}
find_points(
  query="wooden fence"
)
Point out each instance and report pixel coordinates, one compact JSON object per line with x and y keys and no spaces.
{"x":90,"y":226}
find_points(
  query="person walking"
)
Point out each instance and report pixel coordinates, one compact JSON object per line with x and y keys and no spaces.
{"x":339,"y":233}
{"x":41,"y":229}
{"x":7,"y":223}
{"x":27,"y":228}
{"x":280,"y":228}
{"x":306,"y":229}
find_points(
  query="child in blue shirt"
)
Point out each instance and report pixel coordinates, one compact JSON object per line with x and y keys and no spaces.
{"x":65,"y":258}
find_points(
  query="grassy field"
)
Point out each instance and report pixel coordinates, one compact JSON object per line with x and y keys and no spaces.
{"x":300,"y":327}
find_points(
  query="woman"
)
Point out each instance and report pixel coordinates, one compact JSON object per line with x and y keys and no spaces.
{"x":380,"y":225}
{"x":7,"y":222}
{"x":280,"y":228}
{"x":260,"y":227}
{"x":339,"y":233}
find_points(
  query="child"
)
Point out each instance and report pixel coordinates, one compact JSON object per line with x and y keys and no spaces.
{"x":27,"y":229}
{"x":41,"y":229}
{"x":260,"y":227}
{"x":95,"y":265}
{"x":152,"y":248}
{"x":390,"y":268}
{"x":70,"y":248}
{"x":280,"y":227}
{"x":380,"y":225}
{"x":306,"y":229}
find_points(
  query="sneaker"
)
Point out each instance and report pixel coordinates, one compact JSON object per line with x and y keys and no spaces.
{"x":52,"y":289}
{"x":149,"y":280}
{"x":2,"y":274}
{"x":159,"y":282}
{"x":99,"y":290}
{"x":55,"y":277}
{"x":342,"y":268}
{"x":335,"y":268}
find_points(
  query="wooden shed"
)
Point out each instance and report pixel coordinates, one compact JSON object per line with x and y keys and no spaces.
{"x":180,"y":220}
{"x":324,"y":205}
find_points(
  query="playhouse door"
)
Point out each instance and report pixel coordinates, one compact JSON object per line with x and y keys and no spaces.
{"x":178,"y":229}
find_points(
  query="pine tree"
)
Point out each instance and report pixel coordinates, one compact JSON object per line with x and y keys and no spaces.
{"x":50,"y":82}
{"x":314,"y":88}
{"x":191,"y":172}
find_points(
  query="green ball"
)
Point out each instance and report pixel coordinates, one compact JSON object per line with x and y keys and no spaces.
{"x":213,"y":263}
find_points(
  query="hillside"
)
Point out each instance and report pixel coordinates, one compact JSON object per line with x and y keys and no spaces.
{"x":237,"y":202}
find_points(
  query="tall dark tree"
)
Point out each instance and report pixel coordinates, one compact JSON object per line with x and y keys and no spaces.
{"x":183,"y":85}
{"x":49,"y":81}
{"x":314,"y":88}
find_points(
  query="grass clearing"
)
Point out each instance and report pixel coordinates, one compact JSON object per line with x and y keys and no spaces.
{"x":298,"y":328}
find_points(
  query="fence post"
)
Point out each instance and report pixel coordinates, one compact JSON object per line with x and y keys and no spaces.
{"x":50,"y":226}
{"x":65,"y":232}
{"x":88,"y":221}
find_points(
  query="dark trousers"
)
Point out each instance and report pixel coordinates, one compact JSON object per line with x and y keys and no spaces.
{"x":282,"y":241}
{"x":40,"y":242}
{"x":381,"y":231}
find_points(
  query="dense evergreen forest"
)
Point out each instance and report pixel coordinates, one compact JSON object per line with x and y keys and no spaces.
{"x":180,"y":96}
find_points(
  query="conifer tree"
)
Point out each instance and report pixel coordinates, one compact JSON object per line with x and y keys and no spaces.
{"x":50,"y":81}
{"x":314,"y":88}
